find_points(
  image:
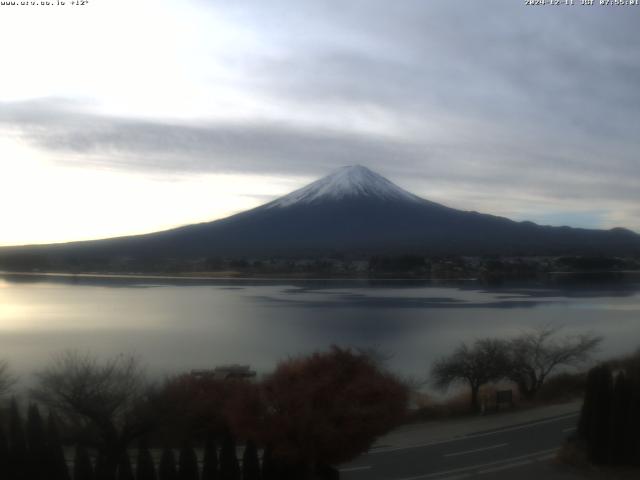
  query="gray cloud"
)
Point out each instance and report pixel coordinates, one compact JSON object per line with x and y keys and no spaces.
{"x":197,"y":146}
{"x":563,"y":75}
{"x":529,"y":102}
{"x":82,"y":138}
{"x":464,"y":56}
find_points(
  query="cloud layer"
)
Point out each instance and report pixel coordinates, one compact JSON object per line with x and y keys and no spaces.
{"x":494,"y":106}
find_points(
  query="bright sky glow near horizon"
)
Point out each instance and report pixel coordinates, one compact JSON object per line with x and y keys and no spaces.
{"x":125,"y":117}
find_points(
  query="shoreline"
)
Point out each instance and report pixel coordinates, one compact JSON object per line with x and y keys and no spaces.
{"x":226,"y":275}
{"x":230,"y":275}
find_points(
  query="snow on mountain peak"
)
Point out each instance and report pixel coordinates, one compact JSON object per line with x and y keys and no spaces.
{"x":346,"y":182}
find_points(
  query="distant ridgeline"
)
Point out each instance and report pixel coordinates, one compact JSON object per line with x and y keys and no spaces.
{"x":353,"y":220}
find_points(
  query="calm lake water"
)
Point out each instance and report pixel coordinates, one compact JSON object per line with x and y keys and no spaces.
{"x":178,"y":325}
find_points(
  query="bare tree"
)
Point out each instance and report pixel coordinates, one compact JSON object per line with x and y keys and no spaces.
{"x":7,"y":380}
{"x":104,"y":396}
{"x":535,"y":355}
{"x":483,"y":362}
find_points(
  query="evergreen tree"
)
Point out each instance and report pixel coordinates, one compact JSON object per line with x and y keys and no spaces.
{"x":188,"y":463}
{"x":103,"y":470}
{"x":598,"y":417}
{"x":145,"y":469}
{"x":632,"y":441}
{"x":125,"y":472}
{"x":18,"y":453}
{"x":4,"y":453}
{"x":57,"y":462}
{"x":167,"y":470}
{"x":269,"y":471}
{"x":620,"y":405}
{"x":229,"y":467}
{"x":603,"y":418}
{"x":210,"y":461}
{"x":82,"y":468}
{"x":610,"y":416}
{"x":250,"y":462}
{"x":36,"y":439}
{"x":588,"y":404}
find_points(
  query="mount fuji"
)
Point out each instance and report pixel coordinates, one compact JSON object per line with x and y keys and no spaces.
{"x":355,"y":211}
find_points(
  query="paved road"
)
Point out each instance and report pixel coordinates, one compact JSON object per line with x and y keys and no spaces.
{"x":522,"y":448}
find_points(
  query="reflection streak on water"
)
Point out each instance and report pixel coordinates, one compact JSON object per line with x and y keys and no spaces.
{"x":183,"y":324}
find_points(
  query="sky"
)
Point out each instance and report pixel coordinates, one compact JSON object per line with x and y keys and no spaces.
{"x":120,"y":117}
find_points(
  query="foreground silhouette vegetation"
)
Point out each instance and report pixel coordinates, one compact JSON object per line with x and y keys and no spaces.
{"x":310,"y":414}
{"x":610,"y":416}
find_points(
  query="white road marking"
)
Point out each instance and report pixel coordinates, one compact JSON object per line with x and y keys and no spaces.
{"x":356,"y":469}
{"x":570,"y":429}
{"x":505,"y":467}
{"x":457,"y":454}
{"x":514,"y":461}
{"x":477,"y":435}
{"x":458,"y":477}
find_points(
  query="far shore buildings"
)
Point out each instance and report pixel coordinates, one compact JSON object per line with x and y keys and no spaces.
{"x":226,"y":372}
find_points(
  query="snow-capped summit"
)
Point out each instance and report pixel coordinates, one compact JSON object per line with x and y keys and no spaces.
{"x":346,"y":182}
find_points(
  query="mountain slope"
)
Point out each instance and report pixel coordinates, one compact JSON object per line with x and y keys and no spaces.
{"x":352,"y":210}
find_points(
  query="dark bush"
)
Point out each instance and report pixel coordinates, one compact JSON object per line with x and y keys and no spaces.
{"x":229,"y":467}
{"x":125,"y":472}
{"x":37,"y":442}
{"x":609,"y":422}
{"x":188,"y":463}
{"x":18,"y":453}
{"x":145,"y":468}
{"x":250,"y":462}
{"x":82,"y":468}
{"x":167,"y":470}
{"x":561,"y":387}
{"x":57,"y":461}
{"x":103,"y":469}
{"x":4,"y":452}
{"x":329,"y":407}
{"x":210,"y":460}
{"x":269,"y":471}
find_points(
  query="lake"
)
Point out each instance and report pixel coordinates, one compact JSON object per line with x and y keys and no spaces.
{"x":182,"y":324}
